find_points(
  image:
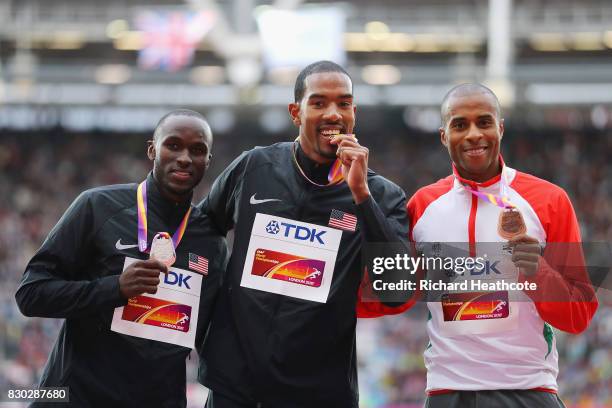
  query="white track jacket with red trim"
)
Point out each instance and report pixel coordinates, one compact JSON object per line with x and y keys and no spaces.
{"x":519,"y":355}
{"x":517,"y":352}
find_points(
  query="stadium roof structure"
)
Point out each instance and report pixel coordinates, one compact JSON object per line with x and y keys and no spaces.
{"x":400,"y":52}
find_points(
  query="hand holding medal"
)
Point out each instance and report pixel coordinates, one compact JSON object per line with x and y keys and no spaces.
{"x":526,"y":250}
{"x":354,"y":159}
{"x":141,"y":277}
{"x":526,"y":253}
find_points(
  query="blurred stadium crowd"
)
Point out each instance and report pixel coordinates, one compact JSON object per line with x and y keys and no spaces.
{"x":40,"y":174}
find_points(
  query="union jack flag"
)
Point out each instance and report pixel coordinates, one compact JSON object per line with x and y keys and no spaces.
{"x":342,"y":220}
{"x":170,"y":38}
{"x":198,"y":263}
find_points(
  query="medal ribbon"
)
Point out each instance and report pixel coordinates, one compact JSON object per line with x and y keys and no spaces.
{"x":141,"y":200}
{"x":501,"y":201}
{"x":495,"y":199}
{"x":334,"y":176}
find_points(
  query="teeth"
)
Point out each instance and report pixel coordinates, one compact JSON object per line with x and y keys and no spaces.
{"x":330,"y":132}
{"x":475,"y":151}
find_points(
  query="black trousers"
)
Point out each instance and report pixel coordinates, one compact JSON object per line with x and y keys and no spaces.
{"x":495,"y":399}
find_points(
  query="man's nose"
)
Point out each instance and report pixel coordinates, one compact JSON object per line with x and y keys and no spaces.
{"x":332,"y":114}
{"x":184,"y":159}
{"x":474,"y":132}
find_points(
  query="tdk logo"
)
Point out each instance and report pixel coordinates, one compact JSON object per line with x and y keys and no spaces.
{"x":295,"y":231}
{"x":272,"y":227}
{"x":173,"y":278}
{"x":487,"y":269}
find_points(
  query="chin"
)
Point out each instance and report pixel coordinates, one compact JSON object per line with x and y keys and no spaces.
{"x":181,"y":189}
{"x":328,"y":154}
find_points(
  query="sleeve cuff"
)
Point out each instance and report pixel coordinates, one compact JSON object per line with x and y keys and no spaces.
{"x":109,"y":286}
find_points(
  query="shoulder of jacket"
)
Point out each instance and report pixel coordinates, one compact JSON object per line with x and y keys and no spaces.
{"x":378,"y":183}
{"x":525,"y":183}
{"x":111,"y":198}
{"x":269,"y":151}
{"x":203,"y":220}
{"x":260,"y":155}
{"x":431,"y":192}
{"x":112,"y":190}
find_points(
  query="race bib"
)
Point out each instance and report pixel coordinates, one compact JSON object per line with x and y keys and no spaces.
{"x":170,"y":315}
{"x":475,"y":306}
{"x":473,"y":311}
{"x":291,"y":258}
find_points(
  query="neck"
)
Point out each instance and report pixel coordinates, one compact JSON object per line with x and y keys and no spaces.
{"x":310,"y":153}
{"x":173,"y":196}
{"x":314,"y":170}
{"x":482,"y":176}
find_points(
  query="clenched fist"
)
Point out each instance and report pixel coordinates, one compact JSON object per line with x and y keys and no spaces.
{"x":141,"y":277}
{"x":354,"y":158}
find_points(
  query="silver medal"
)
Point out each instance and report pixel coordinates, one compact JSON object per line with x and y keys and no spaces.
{"x":162,"y":249}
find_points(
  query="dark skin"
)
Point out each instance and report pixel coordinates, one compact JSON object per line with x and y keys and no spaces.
{"x":472,"y":133}
{"x":141,"y":277}
{"x":327,"y":109}
{"x":526,"y":254}
{"x":180,"y":152}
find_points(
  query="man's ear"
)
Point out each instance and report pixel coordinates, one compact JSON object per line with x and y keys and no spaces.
{"x":501,"y":128}
{"x":294,"y":111}
{"x":151,"y":149}
{"x":443,"y":139}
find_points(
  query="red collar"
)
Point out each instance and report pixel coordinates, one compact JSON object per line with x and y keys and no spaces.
{"x":487,"y":183}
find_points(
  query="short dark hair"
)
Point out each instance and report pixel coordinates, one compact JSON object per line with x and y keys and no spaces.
{"x":177,"y":112}
{"x":467,"y":89}
{"x":315,"y":68}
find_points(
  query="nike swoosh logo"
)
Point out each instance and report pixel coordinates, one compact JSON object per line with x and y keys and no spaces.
{"x":254,"y":201}
{"x":120,"y":246}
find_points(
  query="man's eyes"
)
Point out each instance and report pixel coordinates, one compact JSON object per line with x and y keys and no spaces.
{"x":344,"y":104}
{"x":462,"y":125}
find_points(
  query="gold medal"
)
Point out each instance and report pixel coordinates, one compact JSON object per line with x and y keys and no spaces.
{"x":511,"y":223}
{"x":162,"y":249}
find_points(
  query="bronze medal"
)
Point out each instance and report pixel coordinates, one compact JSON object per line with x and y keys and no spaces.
{"x":511,"y":223}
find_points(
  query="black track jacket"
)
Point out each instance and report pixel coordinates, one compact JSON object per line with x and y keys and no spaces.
{"x":75,"y":276}
{"x":271,"y":350}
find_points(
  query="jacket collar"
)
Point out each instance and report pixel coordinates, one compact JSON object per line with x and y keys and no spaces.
{"x":317,"y":172}
{"x":170,"y":210}
{"x":486,"y":183}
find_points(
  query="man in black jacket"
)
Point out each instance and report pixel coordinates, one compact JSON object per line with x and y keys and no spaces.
{"x":283,"y":330}
{"x":77,"y":275}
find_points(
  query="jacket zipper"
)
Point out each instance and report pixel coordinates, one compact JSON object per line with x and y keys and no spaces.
{"x":472,"y":225}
